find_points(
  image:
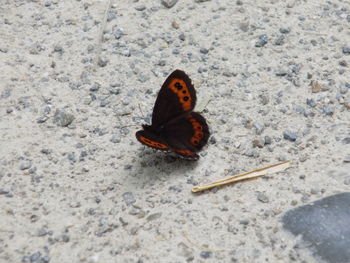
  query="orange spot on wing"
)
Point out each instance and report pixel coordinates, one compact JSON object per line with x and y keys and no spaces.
{"x":197,"y":130}
{"x":183,"y":93}
{"x":153,"y":144}
{"x":185,"y":152}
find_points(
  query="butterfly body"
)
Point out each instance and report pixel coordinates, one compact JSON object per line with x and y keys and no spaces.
{"x":175,"y":127}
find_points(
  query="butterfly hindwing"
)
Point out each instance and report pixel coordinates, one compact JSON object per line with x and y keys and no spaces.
{"x":151,"y":140}
{"x":176,"y":96}
{"x":187,"y":134}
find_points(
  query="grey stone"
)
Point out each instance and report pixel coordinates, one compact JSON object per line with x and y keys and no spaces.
{"x":140,"y":7}
{"x":281,"y":72}
{"x":212,"y":140}
{"x":25,"y":259}
{"x":268,"y":140}
{"x":344,"y":89}
{"x":118,"y":33}
{"x":346,"y":50}
{"x":115,"y":138}
{"x":324,"y":226}
{"x":42,"y":119}
{"x":204,"y":50}
{"x":346,"y":140}
{"x":258,"y":128}
{"x":290,"y":136}
{"x":347,"y":159}
{"x":129,"y":198}
{"x":95,"y":87}
{"x":280,"y":40}
{"x":45,"y":259}
{"x":114,"y":90}
{"x":25,"y":165}
{"x":35,"y":257}
{"x":154,"y":216}
{"x":65,"y":238}
{"x":285,"y":30}
{"x":42,"y":232}
{"x":262,"y":41}
{"x":63,"y":118}
{"x":244,"y":222}
{"x":169,"y":3}
{"x":102,"y":61}
{"x":206,"y":254}
{"x":311,"y":102}
{"x":262,"y":197}
{"x":328,"y":110}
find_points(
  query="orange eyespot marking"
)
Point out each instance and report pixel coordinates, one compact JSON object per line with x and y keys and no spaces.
{"x":184,"y":152}
{"x":197,"y":129}
{"x":180,"y":88}
{"x":152,"y":143}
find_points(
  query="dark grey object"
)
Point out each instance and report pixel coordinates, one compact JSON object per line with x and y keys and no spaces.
{"x":324,"y":225}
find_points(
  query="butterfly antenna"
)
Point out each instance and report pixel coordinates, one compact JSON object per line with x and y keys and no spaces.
{"x":143,"y":116}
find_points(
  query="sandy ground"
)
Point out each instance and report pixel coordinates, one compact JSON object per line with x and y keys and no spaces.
{"x":78,"y":78}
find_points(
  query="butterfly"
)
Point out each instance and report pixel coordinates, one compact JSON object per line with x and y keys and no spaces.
{"x":175,"y":127}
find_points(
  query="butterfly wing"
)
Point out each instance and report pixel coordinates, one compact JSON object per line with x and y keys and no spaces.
{"x":176,"y":97}
{"x":186,"y":135}
{"x":148,"y":138}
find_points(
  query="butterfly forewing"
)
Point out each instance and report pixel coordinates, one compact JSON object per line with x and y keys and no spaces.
{"x":176,"y":96}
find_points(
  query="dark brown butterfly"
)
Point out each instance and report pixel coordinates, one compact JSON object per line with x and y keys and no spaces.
{"x":175,"y":127}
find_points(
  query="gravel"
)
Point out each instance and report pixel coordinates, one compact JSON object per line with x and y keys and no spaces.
{"x":79,"y":79}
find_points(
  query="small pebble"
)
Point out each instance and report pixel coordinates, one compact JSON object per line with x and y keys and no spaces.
{"x":344,"y":88}
{"x":205,"y":254}
{"x":140,"y":7}
{"x":262,"y":41}
{"x":280,"y":40}
{"x":42,"y":119}
{"x":347,"y":159}
{"x":311,"y":102}
{"x":154,"y":216}
{"x":268,"y":140}
{"x":63,"y":118}
{"x":258,"y":142}
{"x":262,"y":197}
{"x":204,"y":50}
{"x":102,"y":61}
{"x":95,"y":87}
{"x":115,"y":138}
{"x":290,"y":136}
{"x":25,"y":165}
{"x":129,"y":198}
{"x":258,"y":128}
{"x":315,"y":86}
{"x":346,"y":140}
{"x":346,"y":50}
{"x":328,"y":110}
{"x":35,"y":256}
{"x":285,"y":30}
{"x":169,"y":3}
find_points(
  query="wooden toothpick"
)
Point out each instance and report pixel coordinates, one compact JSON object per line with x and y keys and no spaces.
{"x":275,"y":168}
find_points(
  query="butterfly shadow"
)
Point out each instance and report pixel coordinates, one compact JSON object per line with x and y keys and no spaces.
{"x":158,"y":166}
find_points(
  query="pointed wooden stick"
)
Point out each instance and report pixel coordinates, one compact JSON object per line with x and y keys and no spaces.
{"x":275,"y":168}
